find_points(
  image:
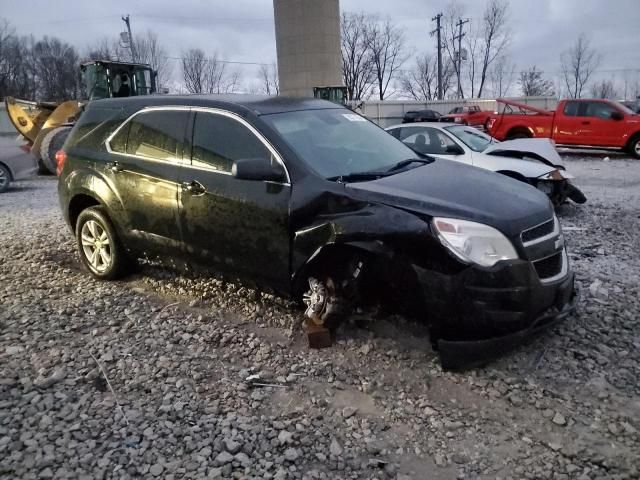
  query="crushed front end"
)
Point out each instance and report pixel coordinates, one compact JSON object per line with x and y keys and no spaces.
{"x":481,"y":312}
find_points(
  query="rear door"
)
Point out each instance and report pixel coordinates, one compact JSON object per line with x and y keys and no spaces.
{"x":238,"y":225}
{"x":146,"y":156}
{"x":570,"y":124}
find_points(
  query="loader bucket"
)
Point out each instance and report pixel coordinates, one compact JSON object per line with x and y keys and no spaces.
{"x":65,"y":113}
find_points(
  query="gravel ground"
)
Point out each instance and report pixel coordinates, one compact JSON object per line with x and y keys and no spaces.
{"x":187,"y":359}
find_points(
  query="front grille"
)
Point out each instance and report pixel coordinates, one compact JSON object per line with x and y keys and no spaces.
{"x":539,"y":231}
{"x":549,"y":267}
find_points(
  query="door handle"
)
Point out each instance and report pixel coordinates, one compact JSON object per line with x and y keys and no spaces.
{"x":193,"y":187}
{"x":115,"y":167}
{"x":586,"y":123}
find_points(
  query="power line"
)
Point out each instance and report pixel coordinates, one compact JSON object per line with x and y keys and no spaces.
{"x":67,"y":20}
{"x":234,"y":62}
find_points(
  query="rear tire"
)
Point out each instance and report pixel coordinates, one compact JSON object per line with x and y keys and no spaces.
{"x":52,"y":142}
{"x":5,"y":178}
{"x":99,"y":246}
{"x":634,"y":146}
{"x":518,"y":134}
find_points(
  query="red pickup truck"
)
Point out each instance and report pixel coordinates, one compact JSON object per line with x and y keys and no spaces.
{"x":467,"y":115}
{"x":578,"y":123}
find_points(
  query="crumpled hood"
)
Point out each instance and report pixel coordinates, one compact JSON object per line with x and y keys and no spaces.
{"x":541,"y":149}
{"x":449,"y":189}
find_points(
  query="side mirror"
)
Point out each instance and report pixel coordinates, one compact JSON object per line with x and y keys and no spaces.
{"x":617,"y":115}
{"x":454,"y":150}
{"x":257,"y":169}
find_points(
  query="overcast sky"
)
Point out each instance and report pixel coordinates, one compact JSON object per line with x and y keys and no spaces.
{"x":243,"y":30}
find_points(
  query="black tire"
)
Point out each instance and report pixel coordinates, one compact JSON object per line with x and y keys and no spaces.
{"x":518,"y":134}
{"x":634,"y":146}
{"x":113,"y":263}
{"x":5,"y":178}
{"x":42,"y":168}
{"x":575,"y":194}
{"x":52,"y":142}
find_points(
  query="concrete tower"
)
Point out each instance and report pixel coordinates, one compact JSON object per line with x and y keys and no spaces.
{"x":308,"y":45}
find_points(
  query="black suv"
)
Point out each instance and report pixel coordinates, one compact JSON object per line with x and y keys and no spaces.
{"x":315,"y":201}
{"x":421,"y":116}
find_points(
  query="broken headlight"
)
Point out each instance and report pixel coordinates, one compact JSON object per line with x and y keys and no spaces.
{"x":474,"y":242}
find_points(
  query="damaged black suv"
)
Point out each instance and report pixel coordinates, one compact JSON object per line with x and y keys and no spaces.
{"x":315,"y":201}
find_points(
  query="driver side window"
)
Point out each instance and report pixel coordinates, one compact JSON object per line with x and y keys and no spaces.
{"x":429,"y":141}
{"x":599,"y":110}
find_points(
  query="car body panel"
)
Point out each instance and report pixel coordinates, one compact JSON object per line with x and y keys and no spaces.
{"x":467,"y":115}
{"x":19,"y":162}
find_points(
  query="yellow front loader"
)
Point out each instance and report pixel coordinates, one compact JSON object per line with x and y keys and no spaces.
{"x":45,"y":125}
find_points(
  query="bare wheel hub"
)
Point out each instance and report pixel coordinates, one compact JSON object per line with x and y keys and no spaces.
{"x":316,"y":299}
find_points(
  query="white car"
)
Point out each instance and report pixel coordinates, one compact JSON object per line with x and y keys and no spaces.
{"x":532,"y":160}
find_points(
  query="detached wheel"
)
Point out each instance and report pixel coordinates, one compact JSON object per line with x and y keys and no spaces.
{"x":99,"y":246}
{"x":634,"y":146}
{"x":5,"y":178}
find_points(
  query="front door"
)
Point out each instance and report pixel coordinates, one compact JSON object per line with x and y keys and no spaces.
{"x":604,"y":131}
{"x":146,"y":155}
{"x":237,"y":225}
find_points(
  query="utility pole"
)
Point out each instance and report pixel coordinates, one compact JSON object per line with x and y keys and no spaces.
{"x":459,"y":38}
{"x":438,"y":30}
{"x":134,"y":56}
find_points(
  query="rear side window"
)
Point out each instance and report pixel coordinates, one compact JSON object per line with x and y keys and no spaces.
{"x":94,"y":126}
{"x":219,"y":140}
{"x":157,"y":134}
{"x":571,"y":109}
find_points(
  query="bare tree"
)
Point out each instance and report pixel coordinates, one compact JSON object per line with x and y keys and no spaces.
{"x":269,"y":79}
{"x":578,"y":64}
{"x":420,"y":83}
{"x":150,"y":50}
{"x":603,"y":89}
{"x":194,"y":70}
{"x":17,"y":72}
{"x":217,"y":79}
{"x":495,"y":37}
{"x":533,"y":84}
{"x":452,"y":14}
{"x":104,"y":49}
{"x":385,"y":42}
{"x":501,"y":76}
{"x":56,"y":66}
{"x":357,"y":64}
{"x":472,"y":42}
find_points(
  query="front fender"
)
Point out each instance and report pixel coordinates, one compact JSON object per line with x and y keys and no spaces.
{"x":527,"y":167}
{"x":376,"y":229}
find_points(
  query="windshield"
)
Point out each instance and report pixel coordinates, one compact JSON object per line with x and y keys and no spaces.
{"x":626,"y":110}
{"x":338,"y":142}
{"x":471,"y":137}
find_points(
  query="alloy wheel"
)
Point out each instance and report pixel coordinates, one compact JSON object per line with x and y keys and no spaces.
{"x":3,"y":179}
{"x":96,"y":246}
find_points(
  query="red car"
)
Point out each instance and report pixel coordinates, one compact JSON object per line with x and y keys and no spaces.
{"x":578,"y":123}
{"x":467,"y":115}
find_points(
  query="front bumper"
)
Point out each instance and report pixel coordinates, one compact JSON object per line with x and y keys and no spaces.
{"x":479,"y":314}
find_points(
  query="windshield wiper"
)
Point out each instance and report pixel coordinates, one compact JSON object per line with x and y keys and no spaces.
{"x":404,"y":163}
{"x":373,"y":174}
{"x":358,"y":176}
